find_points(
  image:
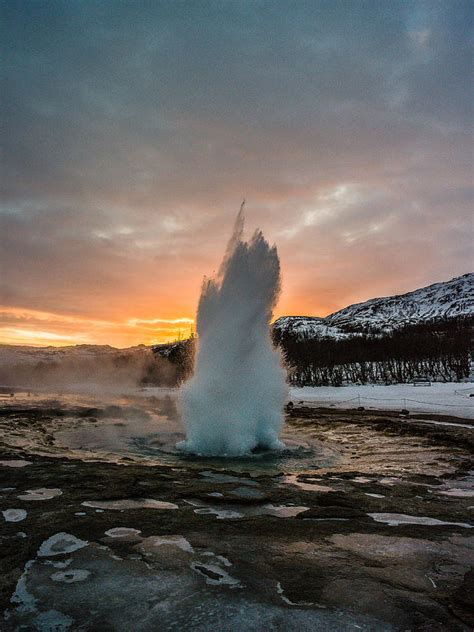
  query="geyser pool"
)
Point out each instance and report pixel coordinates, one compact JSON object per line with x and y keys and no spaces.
{"x":234,"y":402}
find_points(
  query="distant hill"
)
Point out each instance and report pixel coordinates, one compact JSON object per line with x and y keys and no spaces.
{"x":438,"y":302}
{"x":83,"y":366}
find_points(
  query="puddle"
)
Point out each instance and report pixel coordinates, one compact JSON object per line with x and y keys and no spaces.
{"x":59,"y":544}
{"x":389,"y":480}
{"x":307,"y":484}
{"x":374,"y":495}
{"x":394,"y":519}
{"x":230,"y":512}
{"x":281,"y":511}
{"x":458,"y":488}
{"x":132,"y":428}
{"x":123,"y":533}
{"x":458,"y":492}
{"x":129,"y":503}
{"x":42,"y":493}
{"x":15,"y":463}
{"x":221,"y":514}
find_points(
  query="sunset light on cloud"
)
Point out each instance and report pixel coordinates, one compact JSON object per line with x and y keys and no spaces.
{"x":132,"y":136}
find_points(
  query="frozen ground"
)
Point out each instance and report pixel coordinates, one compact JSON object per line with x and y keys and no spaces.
{"x":446,"y":399}
{"x":367,"y":524}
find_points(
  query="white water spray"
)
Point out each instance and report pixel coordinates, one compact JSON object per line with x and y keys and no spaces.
{"x":234,"y":402}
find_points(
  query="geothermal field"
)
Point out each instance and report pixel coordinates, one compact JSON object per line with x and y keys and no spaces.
{"x":231,"y":503}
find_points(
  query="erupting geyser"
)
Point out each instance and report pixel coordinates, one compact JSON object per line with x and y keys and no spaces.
{"x":234,"y":402}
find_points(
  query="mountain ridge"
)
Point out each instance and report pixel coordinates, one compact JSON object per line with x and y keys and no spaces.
{"x":442,"y":300}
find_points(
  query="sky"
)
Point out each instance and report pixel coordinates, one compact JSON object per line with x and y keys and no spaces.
{"x":133,"y":130}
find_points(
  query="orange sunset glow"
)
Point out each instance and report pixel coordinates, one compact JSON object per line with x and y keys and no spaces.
{"x":126,"y":167}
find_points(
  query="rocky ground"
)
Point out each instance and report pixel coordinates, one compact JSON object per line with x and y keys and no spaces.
{"x":378,"y":539}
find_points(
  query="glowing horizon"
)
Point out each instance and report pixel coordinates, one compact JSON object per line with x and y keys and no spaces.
{"x":134,"y":135}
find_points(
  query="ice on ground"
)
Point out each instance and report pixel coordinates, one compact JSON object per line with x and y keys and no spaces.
{"x":164,"y":597}
{"x":42,"y":493}
{"x":394,"y":519}
{"x":460,"y":493}
{"x":58,"y":563}
{"x":308,"y":484}
{"x":59,"y":544}
{"x":15,"y":463}
{"x":123,"y":533}
{"x":230,"y":512}
{"x":282,"y":511}
{"x":24,"y":600}
{"x":169,"y":540}
{"x":53,"y":621}
{"x":389,"y":480}
{"x":70,"y":577}
{"x":459,"y":487}
{"x":221,"y":514}
{"x":14,"y":515}
{"x":229,"y":478}
{"x":130,"y":503}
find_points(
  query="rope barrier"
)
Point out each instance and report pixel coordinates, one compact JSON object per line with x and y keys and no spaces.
{"x":361,"y":398}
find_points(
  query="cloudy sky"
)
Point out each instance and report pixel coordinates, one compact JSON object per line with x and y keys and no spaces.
{"x":133,"y":129}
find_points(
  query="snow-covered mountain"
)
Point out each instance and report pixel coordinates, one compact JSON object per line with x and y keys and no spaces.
{"x":449,"y":299}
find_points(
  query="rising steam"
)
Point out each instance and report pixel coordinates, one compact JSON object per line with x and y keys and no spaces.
{"x":234,"y":402}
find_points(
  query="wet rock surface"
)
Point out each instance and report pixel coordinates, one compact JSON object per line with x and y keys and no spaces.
{"x":278,"y":546}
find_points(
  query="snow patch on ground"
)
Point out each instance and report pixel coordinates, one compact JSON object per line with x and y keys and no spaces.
{"x":230,"y":512}
{"x":129,"y":503}
{"x":123,"y":533}
{"x":308,"y":484}
{"x":15,"y":463}
{"x":42,"y":493}
{"x":394,"y":519}
{"x":448,"y":399}
{"x":14,"y":515}
{"x":171,"y":540}
{"x":61,"y":543}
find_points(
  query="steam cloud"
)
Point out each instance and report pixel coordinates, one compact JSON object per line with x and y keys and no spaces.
{"x":83,"y":367}
{"x":234,"y":402}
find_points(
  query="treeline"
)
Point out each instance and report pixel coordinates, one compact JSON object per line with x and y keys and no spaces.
{"x":438,"y":349}
{"x":180,"y":355}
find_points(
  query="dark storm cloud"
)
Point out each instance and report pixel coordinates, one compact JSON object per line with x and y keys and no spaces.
{"x":133,"y":129}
